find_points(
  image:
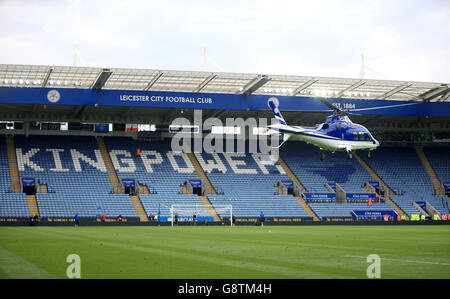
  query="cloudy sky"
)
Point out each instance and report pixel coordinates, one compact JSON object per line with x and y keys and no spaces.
{"x":400,"y":39}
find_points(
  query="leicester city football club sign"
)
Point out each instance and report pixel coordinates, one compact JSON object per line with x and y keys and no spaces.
{"x":165,"y":99}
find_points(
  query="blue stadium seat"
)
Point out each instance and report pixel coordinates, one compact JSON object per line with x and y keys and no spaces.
{"x":439,"y":158}
{"x":403,"y":172}
{"x":73,"y":169}
{"x":11,"y":204}
{"x":75,"y":174}
{"x":5,"y":182}
{"x":247,"y":186}
{"x":157,"y":167}
{"x":303,"y":159}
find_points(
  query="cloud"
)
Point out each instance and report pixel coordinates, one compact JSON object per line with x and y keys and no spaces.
{"x":320,"y":38}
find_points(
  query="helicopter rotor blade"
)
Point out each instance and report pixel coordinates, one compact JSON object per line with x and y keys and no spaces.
{"x":329,"y":105}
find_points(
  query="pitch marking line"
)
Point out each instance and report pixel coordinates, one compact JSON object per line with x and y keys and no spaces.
{"x":16,"y":267}
{"x":401,"y":261}
{"x":287,"y":271}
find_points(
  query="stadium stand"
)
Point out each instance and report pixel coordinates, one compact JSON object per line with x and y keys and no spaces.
{"x":303,"y":159}
{"x":247,"y":182}
{"x":439,"y":158}
{"x":75,"y":174}
{"x":11,"y":204}
{"x":401,"y":169}
{"x":5,"y":183}
{"x":159,"y":168}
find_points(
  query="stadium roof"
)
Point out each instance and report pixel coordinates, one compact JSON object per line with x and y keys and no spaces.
{"x":218,"y":82}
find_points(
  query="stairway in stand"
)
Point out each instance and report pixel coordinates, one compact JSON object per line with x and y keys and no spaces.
{"x":289,"y":172}
{"x":202,"y":175}
{"x":378,"y":179}
{"x":139,"y":208}
{"x":143,"y":189}
{"x":307,"y":208}
{"x":33,"y":209}
{"x":114,"y":179}
{"x":42,"y":188}
{"x":299,"y":199}
{"x":209,"y":208}
{"x":32,"y":205}
{"x":437,"y":185}
{"x":12,"y":163}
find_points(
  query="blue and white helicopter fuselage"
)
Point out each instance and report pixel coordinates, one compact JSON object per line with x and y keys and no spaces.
{"x":337,"y":133}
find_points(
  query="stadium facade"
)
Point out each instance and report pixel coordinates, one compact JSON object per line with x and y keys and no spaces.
{"x":97,"y":141}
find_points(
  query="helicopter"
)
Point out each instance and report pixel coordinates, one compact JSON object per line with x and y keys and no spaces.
{"x":337,"y":133}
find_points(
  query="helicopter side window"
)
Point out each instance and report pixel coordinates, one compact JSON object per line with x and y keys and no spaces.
{"x":364,"y":136}
{"x":361,"y":136}
{"x":355,"y":136}
{"x":325,"y":126}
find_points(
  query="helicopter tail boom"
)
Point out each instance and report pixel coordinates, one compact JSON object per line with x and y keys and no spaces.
{"x":273,"y":104}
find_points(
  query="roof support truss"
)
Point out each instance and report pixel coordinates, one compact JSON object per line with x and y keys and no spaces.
{"x":47,"y":76}
{"x":351,"y":87}
{"x":205,"y":82}
{"x":303,"y":86}
{"x":101,"y":79}
{"x":255,"y":84}
{"x":153,"y":81}
{"x":394,"y":91}
{"x":435,"y":93}
{"x":445,"y":97}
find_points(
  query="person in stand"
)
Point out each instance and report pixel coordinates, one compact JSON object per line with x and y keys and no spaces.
{"x":261,"y":218}
{"x":150,"y":217}
{"x":138,"y":152}
{"x":119,"y":218}
{"x":233,"y":220}
{"x":176,"y":218}
{"x":103,"y":217}
{"x":194,"y":219}
{"x":76,"y":218}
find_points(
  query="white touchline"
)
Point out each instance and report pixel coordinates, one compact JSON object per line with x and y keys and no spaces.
{"x":398,"y":260}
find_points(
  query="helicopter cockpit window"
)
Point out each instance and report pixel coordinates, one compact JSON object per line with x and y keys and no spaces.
{"x":325,"y":126}
{"x":361,"y":136}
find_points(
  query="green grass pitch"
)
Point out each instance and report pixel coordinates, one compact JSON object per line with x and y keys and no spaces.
{"x":246,"y":252}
